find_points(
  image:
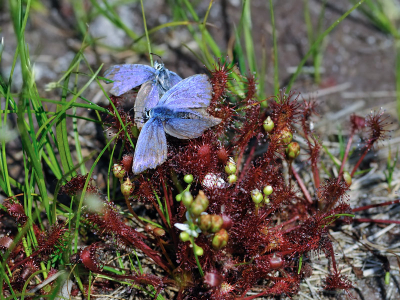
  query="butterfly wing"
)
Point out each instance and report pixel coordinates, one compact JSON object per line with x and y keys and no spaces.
{"x":146,"y":99}
{"x":192,"y":92}
{"x":197,"y":122}
{"x":151,"y":147}
{"x":127,"y":77}
{"x":174,"y":78}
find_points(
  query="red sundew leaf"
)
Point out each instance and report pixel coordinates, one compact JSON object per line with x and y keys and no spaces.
{"x":333,"y":191}
{"x":357,"y":122}
{"x":285,"y":111}
{"x":16,"y":210}
{"x":29,"y":268}
{"x":337,"y":281}
{"x":5,"y":242}
{"x":76,"y":185}
{"x":376,"y":123}
{"x":48,"y":241}
{"x":219,"y":79}
{"x":88,"y":258}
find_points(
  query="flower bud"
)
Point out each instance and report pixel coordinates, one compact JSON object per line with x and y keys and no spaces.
{"x":268,"y":124}
{"x":256,"y":196}
{"x":286,"y":136}
{"x":184,"y":236}
{"x":230,"y":167}
{"x":188,"y":178}
{"x":199,"y":204}
{"x":220,"y":239}
{"x":227,"y":221}
{"x":187,"y":199}
{"x":127,"y":188}
{"x":178,"y":197}
{"x":198,"y":250}
{"x":292,"y":151}
{"x":266,"y":200}
{"x":204,"y":223}
{"x":268,"y":190}
{"x":118,"y":171}
{"x":347,"y":178}
{"x":196,"y":209}
{"x":276,"y":261}
{"x":232,"y":179}
{"x":159,"y":231}
{"x":216,"y":223}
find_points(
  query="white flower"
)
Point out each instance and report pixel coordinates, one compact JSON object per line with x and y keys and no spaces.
{"x":186,"y":228}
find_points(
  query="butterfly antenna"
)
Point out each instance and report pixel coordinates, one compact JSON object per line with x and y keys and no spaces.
{"x":157,"y":56}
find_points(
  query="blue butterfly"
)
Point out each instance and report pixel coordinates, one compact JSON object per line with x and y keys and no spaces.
{"x":127,"y":77}
{"x":181,"y":112}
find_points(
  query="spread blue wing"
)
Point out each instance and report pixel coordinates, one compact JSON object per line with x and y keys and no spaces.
{"x":146,"y":99}
{"x":174,"y":78}
{"x":127,"y":77}
{"x":192,"y":127}
{"x":151,"y":147}
{"x":192,"y":92}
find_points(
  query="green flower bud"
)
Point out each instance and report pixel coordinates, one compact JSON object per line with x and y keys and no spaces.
{"x":230,"y":167}
{"x":268,"y":190}
{"x":204,"y":222}
{"x":266,"y":200}
{"x":187,"y":199}
{"x":188,"y":178}
{"x":118,"y":171}
{"x":292,"y":151}
{"x":198,"y":250}
{"x":216,"y":223}
{"x":347,"y":178}
{"x":200,"y":204}
{"x":268,"y":124}
{"x":127,"y":188}
{"x":286,"y":136}
{"x":220,"y":239}
{"x":196,"y":209}
{"x":256,"y":196}
{"x":184,"y":236}
{"x":232,"y":179}
{"x":178,"y":197}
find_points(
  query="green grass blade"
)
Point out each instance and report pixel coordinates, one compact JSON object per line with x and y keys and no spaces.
{"x":318,"y":41}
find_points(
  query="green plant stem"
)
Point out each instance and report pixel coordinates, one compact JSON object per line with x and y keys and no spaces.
{"x":318,"y":41}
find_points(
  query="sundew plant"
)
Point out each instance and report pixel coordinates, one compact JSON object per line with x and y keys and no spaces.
{"x":224,"y":215}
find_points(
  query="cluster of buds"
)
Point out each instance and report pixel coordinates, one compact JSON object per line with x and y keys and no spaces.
{"x":199,"y":221}
{"x":261,"y":198}
{"x":230,"y":169}
{"x":195,"y":206}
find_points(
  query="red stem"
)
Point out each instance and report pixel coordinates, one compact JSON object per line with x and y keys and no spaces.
{"x":315,"y":175}
{"x":302,"y":186}
{"x":346,"y":154}
{"x":247,"y":163}
{"x":366,"y":220}
{"x":376,"y":205}
{"x":360,"y":160}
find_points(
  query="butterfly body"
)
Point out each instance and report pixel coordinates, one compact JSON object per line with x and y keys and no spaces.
{"x":181,"y":112}
{"x":127,"y":77}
